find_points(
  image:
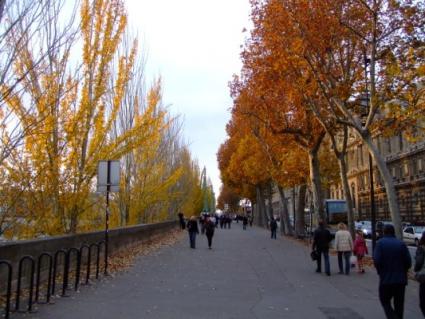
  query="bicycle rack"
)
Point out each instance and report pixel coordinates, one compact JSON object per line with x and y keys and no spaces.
{"x":77,"y":266}
{"x":65,"y":270}
{"x":8,"y":287}
{"x":18,"y":287}
{"x":82,"y":248}
{"x":49,"y":278}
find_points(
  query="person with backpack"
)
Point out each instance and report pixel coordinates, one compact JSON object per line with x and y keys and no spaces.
{"x":192,"y":228}
{"x":209,"y":230}
{"x":420,"y":271}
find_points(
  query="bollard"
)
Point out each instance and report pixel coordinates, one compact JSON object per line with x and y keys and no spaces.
{"x":18,"y":287}
{"x":49,"y":278}
{"x":9,"y":287}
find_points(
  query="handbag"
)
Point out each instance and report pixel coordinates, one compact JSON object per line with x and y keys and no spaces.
{"x":420,"y":275}
{"x":314,"y":255}
{"x":353,"y":261}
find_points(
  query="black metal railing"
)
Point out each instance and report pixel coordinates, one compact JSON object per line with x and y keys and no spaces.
{"x":8,"y":287}
{"x":31,"y":283}
{"x":61,"y":263}
{"x":49,"y":277}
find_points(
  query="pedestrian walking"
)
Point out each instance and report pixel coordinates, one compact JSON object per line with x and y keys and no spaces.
{"x":209,"y":230}
{"x":181,"y":221}
{"x":360,"y":250}
{"x":321,"y":239}
{"x":244,"y":222}
{"x":392,"y":261}
{"x":192,"y":228}
{"x":202,"y":222}
{"x":420,"y":271}
{"x":344,"y":247}
{"x":273,"y":228}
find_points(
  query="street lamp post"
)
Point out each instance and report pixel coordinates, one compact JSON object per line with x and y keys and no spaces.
{"x":371,"y":182}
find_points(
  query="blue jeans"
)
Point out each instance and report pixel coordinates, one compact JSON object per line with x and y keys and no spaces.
{"x":192,"y":239}
{"x":325,"y":253}
{"x":347,"y":255}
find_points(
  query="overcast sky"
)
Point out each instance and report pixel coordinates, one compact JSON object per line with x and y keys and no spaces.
{"x":194,"y":45}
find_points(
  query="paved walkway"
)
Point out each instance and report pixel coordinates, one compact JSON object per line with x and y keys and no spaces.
{"x":245,"y":275}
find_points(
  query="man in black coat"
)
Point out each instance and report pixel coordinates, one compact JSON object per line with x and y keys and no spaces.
{"x":273,"y":228}
{"x":392,"y":262}
{"x":321,"y":239}
{"x":209,"y":231}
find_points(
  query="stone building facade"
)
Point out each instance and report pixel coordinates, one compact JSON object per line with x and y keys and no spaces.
{"x":406,"y":162}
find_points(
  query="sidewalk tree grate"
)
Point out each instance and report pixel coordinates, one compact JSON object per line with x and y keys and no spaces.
{"x":340,"y":313}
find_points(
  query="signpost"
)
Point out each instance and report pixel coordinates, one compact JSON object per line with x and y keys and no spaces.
{"x":108,"y":180}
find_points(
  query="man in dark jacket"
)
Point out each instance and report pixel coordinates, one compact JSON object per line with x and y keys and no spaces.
{"x":392,"y":261}
{"x":273,"y":228}
{"x":321,"y":239}
{"x":192,"y":228}
{"x":209,"y":231}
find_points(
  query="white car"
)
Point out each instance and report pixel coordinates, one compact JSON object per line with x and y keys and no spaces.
{"x":412,"y":234}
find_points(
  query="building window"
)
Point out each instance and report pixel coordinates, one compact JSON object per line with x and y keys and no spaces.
{"x":400,"y":141}
{"x":378,"y":142}
{"x":358,"y":157}
{"x":420,"y":165}
{"x":361,"y":154}
{"x":394,"y":171}
{"x":389,"y":145}
{"x":416,"y":199}
{"x":405,"y":169}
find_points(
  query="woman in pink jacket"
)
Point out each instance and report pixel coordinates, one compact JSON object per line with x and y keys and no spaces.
{"x":360,"y":250}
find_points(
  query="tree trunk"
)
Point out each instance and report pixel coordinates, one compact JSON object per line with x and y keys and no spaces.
{"x":316,"y":185}
{"x":300,"y":221}
{"x":260,"y":206}
{"x":388,"y":183}
{"x":269,"y":194}
{"x":263,"y":208}
{"x":2,"y":3}
{"x":74,"y":219}
{"x":348,"y":198}
{"x":284,"y":214}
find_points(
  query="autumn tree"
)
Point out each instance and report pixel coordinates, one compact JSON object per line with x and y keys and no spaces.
{"x":228,"y":196}
{"x":335,"y":41}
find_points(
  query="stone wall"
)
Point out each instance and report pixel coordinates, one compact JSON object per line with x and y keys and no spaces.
{"x":119,"y":238}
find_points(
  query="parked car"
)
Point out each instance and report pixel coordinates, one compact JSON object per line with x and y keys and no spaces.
{"x":412,"y":234}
